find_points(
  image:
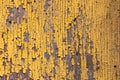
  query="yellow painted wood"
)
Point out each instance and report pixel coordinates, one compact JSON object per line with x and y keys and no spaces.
{"x":59,"y":40}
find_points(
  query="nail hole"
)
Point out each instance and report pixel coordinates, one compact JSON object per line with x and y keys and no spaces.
{"x":115,"y":66}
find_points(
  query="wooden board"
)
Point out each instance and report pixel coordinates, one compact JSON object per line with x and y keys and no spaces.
{"x":60,"y":40}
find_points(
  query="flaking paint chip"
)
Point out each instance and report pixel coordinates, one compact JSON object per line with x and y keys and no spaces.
{"x":15,"y":15}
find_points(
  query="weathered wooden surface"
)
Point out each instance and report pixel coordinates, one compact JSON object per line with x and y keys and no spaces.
{"x":59,"y":40}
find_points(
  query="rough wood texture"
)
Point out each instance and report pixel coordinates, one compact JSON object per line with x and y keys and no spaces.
{"x":60,"y":40}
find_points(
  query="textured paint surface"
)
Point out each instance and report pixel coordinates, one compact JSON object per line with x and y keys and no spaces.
{"x":60,"y":40}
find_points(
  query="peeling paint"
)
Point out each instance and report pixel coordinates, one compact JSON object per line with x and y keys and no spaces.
{"x":46,"y":55}
{"x":5,"y":47}
{"x":15,"y":15}
{"x":4,"y":77}
{"x":26,"y":37}
{"x":34,"y":48}
{"x":68,"y":61}
{"x":20,"y":75}
{"x":69,"y":35}
{"x":46,"y":77}
{"x":21,"y":47}
{"x":97,"y":63}
{"x":70,"y":40}
{"x":77,"y":66}
{"x":55,"y":48}
{"x":89,"y":64}
{"x":47,"y":5}
{"x":54,"y":71}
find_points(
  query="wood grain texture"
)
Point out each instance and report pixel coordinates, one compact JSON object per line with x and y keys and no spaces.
{"x":60,"y":40}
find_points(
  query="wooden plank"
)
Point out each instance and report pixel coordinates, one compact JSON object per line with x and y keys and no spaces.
{"x":59,"y":40}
